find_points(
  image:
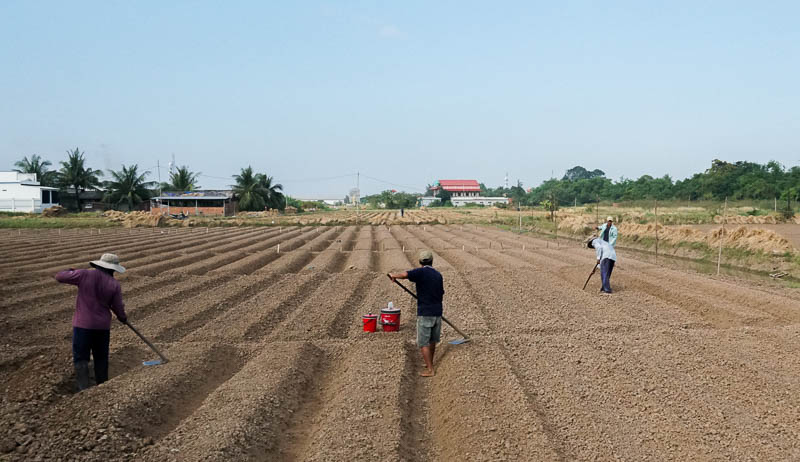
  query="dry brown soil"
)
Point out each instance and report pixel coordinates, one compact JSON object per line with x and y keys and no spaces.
{"x":268,"y":361}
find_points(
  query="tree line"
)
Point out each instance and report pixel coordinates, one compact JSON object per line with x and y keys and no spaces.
{"x":732,"y":180}
{"x":128,"y":187}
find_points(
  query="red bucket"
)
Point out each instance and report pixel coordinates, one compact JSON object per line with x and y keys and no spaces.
{"x":370,"y":322}
{"x":390,"y":320}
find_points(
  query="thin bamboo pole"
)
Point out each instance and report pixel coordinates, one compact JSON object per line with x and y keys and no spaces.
{"x":722,"y":235}
{"x":656,"y":231}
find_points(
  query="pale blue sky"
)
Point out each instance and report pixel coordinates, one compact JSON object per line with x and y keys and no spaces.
{"x":404,"y":92}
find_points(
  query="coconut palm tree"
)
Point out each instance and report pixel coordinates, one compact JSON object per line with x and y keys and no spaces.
{"x":182,"y":179}
{"x":273,"y":193}
{"x":38,"y":166}
{"x":127,"y":186}
{"x":75,"y":174}
{"x":249,"y":190}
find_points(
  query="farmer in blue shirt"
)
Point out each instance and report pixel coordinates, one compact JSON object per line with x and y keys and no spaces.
{"x":430,"y":290}
{"x":608,"y":232}
{"x":606,"y":258}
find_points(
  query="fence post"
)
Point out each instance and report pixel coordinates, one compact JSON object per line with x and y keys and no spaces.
{"x":656,"y":231}
{"x":722,"y":235}
{"x":555,"y":220}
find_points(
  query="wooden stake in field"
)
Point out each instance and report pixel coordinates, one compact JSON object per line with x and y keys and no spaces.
{"x":555,"y":219}
{"x":722,"y":235}
{"x":656,"y":231}
{"x":597,"y":210}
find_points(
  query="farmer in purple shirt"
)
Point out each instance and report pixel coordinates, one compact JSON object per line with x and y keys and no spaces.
{"x":98,"y":294}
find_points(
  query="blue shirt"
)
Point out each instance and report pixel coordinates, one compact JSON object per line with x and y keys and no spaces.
{"x":604,"y":250}
{"x":430,"y":290}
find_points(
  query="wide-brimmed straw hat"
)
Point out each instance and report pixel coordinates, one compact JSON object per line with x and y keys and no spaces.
{"x":109,"y":261}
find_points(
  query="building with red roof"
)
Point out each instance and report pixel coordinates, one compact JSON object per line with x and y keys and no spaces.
{"x":458,"y":188}
{"x":462,"y":192}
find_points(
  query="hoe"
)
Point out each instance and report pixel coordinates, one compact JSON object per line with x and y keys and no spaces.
{"x":154,"y":362}
{"x":458,"y":341}
{"x":594,"y":268}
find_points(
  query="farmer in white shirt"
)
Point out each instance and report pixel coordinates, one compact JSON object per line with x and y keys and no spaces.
{"x":608,"y":232}
{"x":606,"y":258}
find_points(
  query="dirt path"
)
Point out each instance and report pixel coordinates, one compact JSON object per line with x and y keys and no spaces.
{"x":268,"y":360}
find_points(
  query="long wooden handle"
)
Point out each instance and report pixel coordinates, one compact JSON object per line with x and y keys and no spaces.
{"x":443,"y":318}
{"x":590,"y":276}
{"x":163,"y":358}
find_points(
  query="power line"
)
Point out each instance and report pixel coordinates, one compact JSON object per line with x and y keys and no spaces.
{"x":308,"y":180}
{"x":416,"y":188}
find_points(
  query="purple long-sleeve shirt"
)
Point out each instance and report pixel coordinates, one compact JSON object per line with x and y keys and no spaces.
{"x":98,"y":294}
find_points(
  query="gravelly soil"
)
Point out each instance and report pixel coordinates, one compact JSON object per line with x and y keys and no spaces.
{"x":268,"y":360}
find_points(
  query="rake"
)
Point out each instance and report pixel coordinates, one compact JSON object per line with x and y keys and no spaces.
{"x":154,"y":362}
{"x":457,"y":341}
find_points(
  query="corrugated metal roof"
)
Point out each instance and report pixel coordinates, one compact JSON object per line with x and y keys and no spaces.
{"x":185,"y":198}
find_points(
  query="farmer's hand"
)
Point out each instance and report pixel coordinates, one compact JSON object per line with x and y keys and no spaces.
{"x":123,"y":320}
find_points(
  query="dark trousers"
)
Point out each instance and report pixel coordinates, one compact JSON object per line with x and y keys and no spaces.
{"x":606,"y":267}
{"x":94,"y":341}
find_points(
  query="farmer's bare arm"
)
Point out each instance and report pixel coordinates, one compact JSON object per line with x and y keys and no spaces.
{"x":403,"y":275}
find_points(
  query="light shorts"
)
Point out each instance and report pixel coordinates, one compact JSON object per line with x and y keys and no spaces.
{"x":429,"y":330}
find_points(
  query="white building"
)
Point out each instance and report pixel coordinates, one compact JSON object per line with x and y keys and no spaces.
{"x":21,"y":192}
{"x":480,"y":200}
{"x":463,"y":192}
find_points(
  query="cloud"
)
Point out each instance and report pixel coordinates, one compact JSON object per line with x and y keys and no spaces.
{"x":389,"y":31}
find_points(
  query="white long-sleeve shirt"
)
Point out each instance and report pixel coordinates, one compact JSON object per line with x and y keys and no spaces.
{"x":604,"y":250}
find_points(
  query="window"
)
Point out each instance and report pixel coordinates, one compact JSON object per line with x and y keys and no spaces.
{"x":45,"y":196}
{"x":54,"y":197}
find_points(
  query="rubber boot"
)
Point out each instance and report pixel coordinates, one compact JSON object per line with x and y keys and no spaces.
{"x":82,"y":374}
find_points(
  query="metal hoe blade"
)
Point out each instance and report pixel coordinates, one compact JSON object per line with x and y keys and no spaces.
{"x":154,"y":362}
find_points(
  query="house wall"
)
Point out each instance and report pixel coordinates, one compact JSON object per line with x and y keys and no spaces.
{"x":17,"y":197}
{"x":462,"y":201}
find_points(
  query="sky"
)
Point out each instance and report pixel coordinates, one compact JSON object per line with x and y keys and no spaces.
{"x":402,"y":93}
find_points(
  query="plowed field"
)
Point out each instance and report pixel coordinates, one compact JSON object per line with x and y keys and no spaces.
{"x":268,"y":361}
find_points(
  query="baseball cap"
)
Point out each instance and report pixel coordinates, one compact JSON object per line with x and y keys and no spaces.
{"x":425,"y":255}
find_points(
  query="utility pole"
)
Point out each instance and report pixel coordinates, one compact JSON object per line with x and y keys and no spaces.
{"x":358,"y":203}
{"x":158,"y":167}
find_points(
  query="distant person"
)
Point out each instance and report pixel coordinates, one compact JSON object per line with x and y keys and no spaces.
{"x":608,"y":232}
{"x":401,"y":213}
{"x":430,"y":292}
{"x":98,"y":295}
{"x":606,"y":258}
